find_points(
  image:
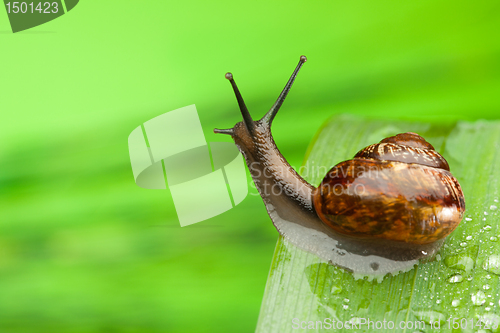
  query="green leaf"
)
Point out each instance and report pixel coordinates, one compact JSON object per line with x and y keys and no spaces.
{"x":462,"y":282}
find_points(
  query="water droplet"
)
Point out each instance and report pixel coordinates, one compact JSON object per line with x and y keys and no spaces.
{"x":455,"y":303}
{"x":463,"y":244}
{"x":336,"y":290}
{"x":479,"y":298}
{"x":455,"y":278}
{"x":346,"y":300}
{"x":493,"y":207}
{"x":345,"y":307}
{"x":460,"y":261}
{"x":486,"y":287}
{"x":438,"y":301}
{"x":430,"y":316}
{"x":468,"y":238}
{"x":487,"y":227}
{"x":485,"y":213}
{"x":493,"y":239}
{"x":490,"y":319}
{"x":356,"y":320}
{"x":468,"y":219}
{"x":492,"y":264}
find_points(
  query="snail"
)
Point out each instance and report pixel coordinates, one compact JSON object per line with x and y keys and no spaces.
{"x":380,"y":212}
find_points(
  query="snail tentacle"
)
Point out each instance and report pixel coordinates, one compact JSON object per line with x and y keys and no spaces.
{"x":269,"y":116}
{"x":224,"y":131}
{"x":247,"y":118}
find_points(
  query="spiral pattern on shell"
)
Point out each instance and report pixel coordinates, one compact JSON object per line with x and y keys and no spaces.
{"x":400,"y":189}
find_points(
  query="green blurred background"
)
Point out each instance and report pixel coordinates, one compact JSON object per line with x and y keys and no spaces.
{"x":83,"y":249}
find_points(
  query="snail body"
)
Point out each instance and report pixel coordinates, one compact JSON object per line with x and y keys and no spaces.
{"x":382,"y":211}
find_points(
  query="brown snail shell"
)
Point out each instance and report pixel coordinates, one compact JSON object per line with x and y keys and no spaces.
{"x":401,"y":191}
{"x":410,"y":202}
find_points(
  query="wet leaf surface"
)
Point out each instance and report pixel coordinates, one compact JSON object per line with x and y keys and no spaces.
{"x":462,"y":282}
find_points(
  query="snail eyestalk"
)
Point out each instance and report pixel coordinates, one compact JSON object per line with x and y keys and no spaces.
{"x":268,"y":118}
{"x":247,"y":119}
